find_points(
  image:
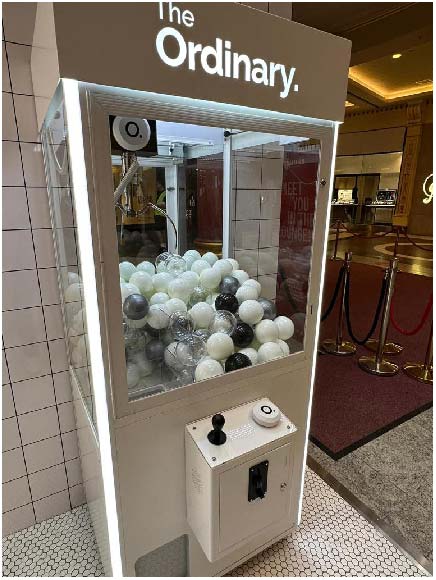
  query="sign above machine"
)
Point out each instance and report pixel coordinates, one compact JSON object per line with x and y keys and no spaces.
{"x":214,"y":51}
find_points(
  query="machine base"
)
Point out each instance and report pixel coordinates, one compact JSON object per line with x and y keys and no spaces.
{"x":344,"y":349}
{"x":390,"y":347}
{"x":419,"y":372}
{"x":384,"y":368}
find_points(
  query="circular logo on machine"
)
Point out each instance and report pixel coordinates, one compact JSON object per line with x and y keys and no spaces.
{"x":131,"y":133}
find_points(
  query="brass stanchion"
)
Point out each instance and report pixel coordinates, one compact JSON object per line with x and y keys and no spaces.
{"x":422,"y":371}
{"x":338,"y":345}
{"x":335,"y":251}
{"x":377,"y":365}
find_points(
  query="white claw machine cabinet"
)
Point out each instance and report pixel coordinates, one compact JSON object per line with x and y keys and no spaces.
{"x":189,"y":153}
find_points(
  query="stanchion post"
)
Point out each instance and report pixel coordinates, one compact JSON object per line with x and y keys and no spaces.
{"x":377,"y":365}
{"x":335,"y":251}
{"x":339,"y":346}
{"x":397,"y":239}
{"x":422,"y":372}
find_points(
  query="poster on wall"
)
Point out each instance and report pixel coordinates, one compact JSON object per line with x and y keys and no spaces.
{"x":300,"y":174}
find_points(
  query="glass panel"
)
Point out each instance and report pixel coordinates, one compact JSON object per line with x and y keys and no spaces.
{"x":62,"y":208}
{"x":188,"y":314}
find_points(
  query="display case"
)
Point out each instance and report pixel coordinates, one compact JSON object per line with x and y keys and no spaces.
{"x":190,"y":239}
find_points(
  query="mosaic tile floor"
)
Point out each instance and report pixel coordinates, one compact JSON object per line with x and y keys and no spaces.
{"x":61,"y":546}
{"x":333,"y":540}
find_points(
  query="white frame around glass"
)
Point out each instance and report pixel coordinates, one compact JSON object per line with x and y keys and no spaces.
{"x":97,"y":104}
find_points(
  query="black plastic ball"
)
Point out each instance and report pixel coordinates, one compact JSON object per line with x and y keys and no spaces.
{"x":269,"y":308}
{"x":229,"y":285}
{"x":237,"y":361}
{"x":135,"y":306}
{"x":155,"y":349}
{"x":227,"y":302}
{"x":242,"y":335}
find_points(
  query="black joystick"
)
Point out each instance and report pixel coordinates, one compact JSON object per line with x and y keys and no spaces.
{"x":217,"y":435}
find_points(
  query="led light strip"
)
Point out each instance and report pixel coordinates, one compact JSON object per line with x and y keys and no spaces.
{"x":79,"y":182}
{"x":321,"y":289}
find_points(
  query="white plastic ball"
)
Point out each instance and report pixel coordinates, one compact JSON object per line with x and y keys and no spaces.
{"x":192,"y":279}
{"x":192,"y":254}
{"x":224,"y":267}
{"x":285,"y":327}
{"x":266,"y":331}
{"x":127,"y":269}
{"x":269,"y":351}
{"x":136,"y":323}
{"x":157,"y":318}
{"x":144,"y":366}
{"x":143,"y":281}
{"x":127,"y":290}
{"x":234,"y":263}
{"x":159,"y":298}
{"x":170,"y":357}
{"x":161,"y":281}
{"x":175,"y":305}
{"x":132,"y":375}
{"x":250,"y":312}
{"x":210,"y":257}
{"x":246,"y":293}
{"x":253,"y":283}
{"x":73,"y":278}
{"x":178,"y":288}
{"x":147,"y":267}
{"x":241,"y":276}
{"x":207,"y":369}
{"x":199,"y":265}
{"x":202,"y":314}
{"x":251,"y":353}
{"x":73,"y":293}
{"x":219,"y":346}
{"x":285,"y":348}
{"x":210,"y":278}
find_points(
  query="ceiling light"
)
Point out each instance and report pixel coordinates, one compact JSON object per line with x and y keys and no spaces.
{"x":397,"y":55}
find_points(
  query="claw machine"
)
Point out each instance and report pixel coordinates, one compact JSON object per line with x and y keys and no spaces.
{"x":189,"y":153}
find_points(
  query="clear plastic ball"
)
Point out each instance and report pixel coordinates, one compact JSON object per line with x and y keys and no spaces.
{"x":202,"y":314}
{"x":198,"y":294}
{"x":74,"y":293}
{"x":133,"y":375}
{"x":136,"y":323}
{"x":161,"y":260}
{"x":210,"y":257}
{"x":207,"y":369}
{"x":143,"y":281}
{"x":199,"y":265}
{"x":161,"y":281}
{"x":210,"y":278}
{"x":175,"y":265}
{"x":144,"y":366}
{"x":134,"y":340}
{"x":147,"y":267}
{"x":170,"y":357}
{"x":181,"y":325}
{"x":190,"y":350}
{"x":159,"y":298}
{"x":127,"y":269}
{"x":202,"y":333}
{"x":211,"y":299}
{"x":223,"y":322}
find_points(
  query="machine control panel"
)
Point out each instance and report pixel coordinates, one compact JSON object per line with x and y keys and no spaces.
{"x":235,"y":432}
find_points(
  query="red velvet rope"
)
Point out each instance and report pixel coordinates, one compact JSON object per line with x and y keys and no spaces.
{"x":415,"y":244}
{"x":421,"y":323}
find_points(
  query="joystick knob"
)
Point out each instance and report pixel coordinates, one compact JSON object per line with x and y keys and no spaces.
{"x":217,"y":435}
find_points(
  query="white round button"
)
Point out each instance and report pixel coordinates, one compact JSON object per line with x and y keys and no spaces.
{"x":266,"y":414}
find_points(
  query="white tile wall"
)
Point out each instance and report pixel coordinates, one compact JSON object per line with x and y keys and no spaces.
{"x":40,"y":449}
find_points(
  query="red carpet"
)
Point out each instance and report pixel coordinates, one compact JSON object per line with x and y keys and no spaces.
{"x":350,"y":406}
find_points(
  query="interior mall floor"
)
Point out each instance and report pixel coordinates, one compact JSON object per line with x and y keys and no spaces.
{"x":378,"y":455}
